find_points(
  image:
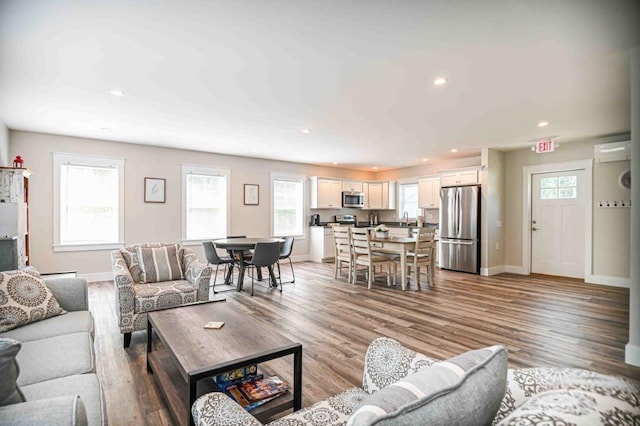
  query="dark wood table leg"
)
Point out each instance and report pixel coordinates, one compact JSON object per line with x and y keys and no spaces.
{"x":297,"y":379}
{"x":241,"y":270}
{"x":192,"y":397}
{"x":149,"y":331}
{"x":272,"y":277}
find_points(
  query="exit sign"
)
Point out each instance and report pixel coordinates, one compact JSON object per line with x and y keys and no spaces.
{"x":545,"y":146}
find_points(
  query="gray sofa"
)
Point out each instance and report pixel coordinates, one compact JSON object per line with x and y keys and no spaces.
{"x":56,"y":364}
{"x":402,"y":387}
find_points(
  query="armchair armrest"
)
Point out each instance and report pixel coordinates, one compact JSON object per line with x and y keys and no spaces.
{"x":196,"y":272}
{"x":217,"y":408}
{"x":123,"y":285}
{"x":62,"y":410}
{"x":387,"y":361}
{"x":71,"y":293}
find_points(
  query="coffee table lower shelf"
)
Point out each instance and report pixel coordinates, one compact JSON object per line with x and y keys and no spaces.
{"x":175,"y":390}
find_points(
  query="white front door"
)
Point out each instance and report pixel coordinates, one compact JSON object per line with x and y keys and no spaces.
{"x":558,"y":223}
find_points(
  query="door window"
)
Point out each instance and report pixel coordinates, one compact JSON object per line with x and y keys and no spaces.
{"x":559,"y":187}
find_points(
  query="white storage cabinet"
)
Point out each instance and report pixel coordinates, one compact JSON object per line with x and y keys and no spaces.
{"x":325,"y":193}
{"x":321,"y":244}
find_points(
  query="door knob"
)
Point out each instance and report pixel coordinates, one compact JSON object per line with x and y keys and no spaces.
{"x":534,"y":228}
{"x":534,"y":222}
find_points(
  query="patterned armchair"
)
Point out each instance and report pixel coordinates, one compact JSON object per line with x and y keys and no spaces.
{"x":173,"y":276}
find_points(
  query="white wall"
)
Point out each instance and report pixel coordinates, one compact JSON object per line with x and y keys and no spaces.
{"x":493,"y":207}
{"x":5,"y":161}
{"x":144,"y":221}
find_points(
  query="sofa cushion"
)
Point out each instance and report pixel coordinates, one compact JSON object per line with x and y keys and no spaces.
{"x":159,"y":264}
{"x":9,"y":371}
{"x":333,"y":411}
{"x":574,"y":407}
{"x":62,"y":410}
{"x":434,"y":395}
{"x":71,"y":322}
{"x":24,"y":298}
{"x":87,"y":386}
{"x":55,"y":357}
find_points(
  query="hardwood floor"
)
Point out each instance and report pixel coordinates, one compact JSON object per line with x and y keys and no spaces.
{"x":543,"y":321}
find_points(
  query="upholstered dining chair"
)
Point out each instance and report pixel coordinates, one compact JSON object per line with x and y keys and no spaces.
{"x":152,"y":276}
{"x":343,"y":255}
{"x":214,"y":259}
{"x":265,"y":254}
{"x":364,"y":256}
{"x":285,"y":253}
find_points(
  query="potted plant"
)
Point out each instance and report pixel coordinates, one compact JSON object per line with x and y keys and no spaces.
{"x":382,"y":231}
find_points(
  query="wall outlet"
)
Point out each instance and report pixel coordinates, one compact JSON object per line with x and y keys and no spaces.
{"x":497,"y":246}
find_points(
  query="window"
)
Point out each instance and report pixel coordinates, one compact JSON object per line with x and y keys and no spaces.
{"x":287,"y":201}
{"x":88,"y":202}
{"x":205,"y":206}
{"x":408,"y":200}
{"x":553,"y":188}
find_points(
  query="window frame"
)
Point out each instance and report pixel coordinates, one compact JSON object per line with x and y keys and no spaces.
{"x":290,"y":177}
{"x":399,"y":210}
{"x":60,"y":158}
{"x":188,"y":169}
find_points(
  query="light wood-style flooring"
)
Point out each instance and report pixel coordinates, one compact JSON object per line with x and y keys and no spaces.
{"x":543,"y":321}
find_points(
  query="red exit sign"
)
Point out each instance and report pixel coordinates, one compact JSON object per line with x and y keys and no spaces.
{"x":545,"y":146}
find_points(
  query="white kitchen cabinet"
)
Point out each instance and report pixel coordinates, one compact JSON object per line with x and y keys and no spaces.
{"x":429,"y":192}
{"x":321,"y":244}
{"x":326,"y":193}
{"x":460,"y":177}
{"x":380,"y":195}
{"x":352,"y":185}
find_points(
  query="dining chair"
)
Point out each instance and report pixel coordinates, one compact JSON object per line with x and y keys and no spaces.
{"x":363,"y":256}
{"x":265,"y":254}
{"x":214,"y":259}
{"x":422,"y":255}
{"x":343,"y":257}
{"x":285,"y":253}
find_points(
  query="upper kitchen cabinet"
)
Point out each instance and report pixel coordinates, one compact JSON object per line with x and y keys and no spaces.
{"x":468,"y":176}
{"x":379,"y":195}
{"x":429,"y":192}
{"x":352,"y":185}
{"x":326,"y":193}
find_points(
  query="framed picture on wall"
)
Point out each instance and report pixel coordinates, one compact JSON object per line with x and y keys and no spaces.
{"x":154,"y":190}
{"x":251,"y":194}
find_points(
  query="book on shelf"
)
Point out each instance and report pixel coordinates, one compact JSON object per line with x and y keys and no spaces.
{"x":236,"y":376}
{"x":262,"y":388}
{"x":256,"y":391}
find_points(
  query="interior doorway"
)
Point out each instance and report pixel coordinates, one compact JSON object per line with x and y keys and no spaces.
{"x":558,"y":223}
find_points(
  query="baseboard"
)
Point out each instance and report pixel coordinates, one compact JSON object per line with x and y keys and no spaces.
{"x":97,"y":276}
{"x":606,"y":280}
{"x":494,"y":270}
{"x":300,"y":258}
{"x":632,"y":354}
{"x":512,"y":269}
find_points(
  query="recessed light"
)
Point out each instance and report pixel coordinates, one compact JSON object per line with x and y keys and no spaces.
{"x":375,"y":167}
{"x":335,"y":163}
{"x":454,"y":150}
{"x":440,"y":81}
{"x":306,"y":131}
{"x":117,"y":92}
{"x":105,"y":129}
{"x":425,"y":159}
{"x":543,"y":124}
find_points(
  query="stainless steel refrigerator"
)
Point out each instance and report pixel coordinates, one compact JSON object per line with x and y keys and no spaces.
{"x":459,"y":248}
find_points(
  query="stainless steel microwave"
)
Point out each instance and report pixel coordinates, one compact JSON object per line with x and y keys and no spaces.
{"x":352,"y":199}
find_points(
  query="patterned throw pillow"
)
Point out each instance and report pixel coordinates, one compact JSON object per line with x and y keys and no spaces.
{"x":159,"y":264}
{"x":24,"y":298}
{"x":465,"y":391}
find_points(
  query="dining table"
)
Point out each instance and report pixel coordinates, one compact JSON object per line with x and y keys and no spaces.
{"x":395,"y":245}
{"x":239,"y":246}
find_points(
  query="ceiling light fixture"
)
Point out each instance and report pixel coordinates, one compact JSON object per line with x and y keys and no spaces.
{"x":117,"y":92}
{"x":335,"y":163}
{"x":454,"y":150}
{"x":375,"y":167}
{"x":105,"y":129}
{"x":440,"y":81}
{"x":543,"y":124}
{"x":425,"y":159}
{"x":306,"y":131}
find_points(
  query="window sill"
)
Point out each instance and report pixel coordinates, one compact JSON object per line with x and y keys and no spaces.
{"x":86,"y":247}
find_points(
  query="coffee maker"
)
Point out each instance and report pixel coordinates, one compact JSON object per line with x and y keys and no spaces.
{"x":315,"y":220}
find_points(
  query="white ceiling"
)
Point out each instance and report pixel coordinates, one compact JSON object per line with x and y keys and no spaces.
{"x":245,"y":77}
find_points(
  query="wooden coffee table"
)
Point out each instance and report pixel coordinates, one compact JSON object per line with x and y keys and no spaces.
{"x":189,"y":355}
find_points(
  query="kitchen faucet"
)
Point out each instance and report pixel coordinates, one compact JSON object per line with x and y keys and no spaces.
{"x":405,"y":218}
